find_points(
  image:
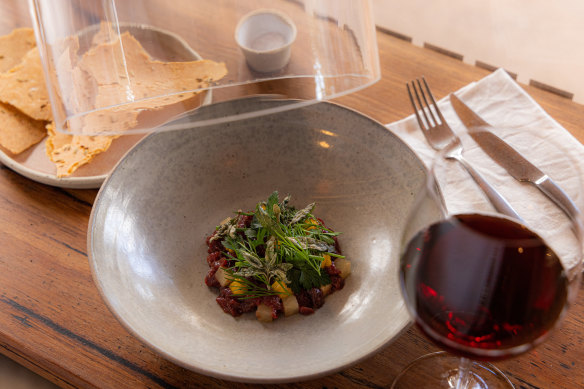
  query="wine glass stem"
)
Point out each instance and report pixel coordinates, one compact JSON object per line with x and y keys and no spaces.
{"x":464,"y":374}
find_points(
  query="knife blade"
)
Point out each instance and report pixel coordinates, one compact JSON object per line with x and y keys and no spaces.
{"x":511,"y":160}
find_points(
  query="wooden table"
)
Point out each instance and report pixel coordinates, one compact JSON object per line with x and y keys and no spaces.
{"x":53,"y":320}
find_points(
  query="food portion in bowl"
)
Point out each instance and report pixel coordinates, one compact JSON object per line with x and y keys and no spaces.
{"x":275,"y":260}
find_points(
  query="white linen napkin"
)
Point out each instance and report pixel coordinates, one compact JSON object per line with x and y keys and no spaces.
{"x":522,"y":123}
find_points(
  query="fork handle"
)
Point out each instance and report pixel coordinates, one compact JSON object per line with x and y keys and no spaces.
{"x":498,"y":201}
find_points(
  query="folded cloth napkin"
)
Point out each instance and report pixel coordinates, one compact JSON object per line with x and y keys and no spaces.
{"x":522,"y":123}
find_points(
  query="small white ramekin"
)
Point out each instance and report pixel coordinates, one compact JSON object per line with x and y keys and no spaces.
{"x":265,"y":37}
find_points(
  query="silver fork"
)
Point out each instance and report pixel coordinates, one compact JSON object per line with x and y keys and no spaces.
{"x":441,"y":137}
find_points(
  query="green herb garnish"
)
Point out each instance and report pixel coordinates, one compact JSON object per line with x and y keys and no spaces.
{"x":282,"y":245}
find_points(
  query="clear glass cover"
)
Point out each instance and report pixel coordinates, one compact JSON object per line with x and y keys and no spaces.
{"x":117,"y":67}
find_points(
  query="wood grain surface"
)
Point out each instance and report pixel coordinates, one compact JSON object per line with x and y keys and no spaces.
{"x":53,"y":320}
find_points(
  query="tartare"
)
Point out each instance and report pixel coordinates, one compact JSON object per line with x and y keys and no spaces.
{"x":275,"y":260}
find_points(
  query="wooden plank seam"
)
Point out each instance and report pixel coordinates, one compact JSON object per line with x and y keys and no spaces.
{"x":479,"y":64}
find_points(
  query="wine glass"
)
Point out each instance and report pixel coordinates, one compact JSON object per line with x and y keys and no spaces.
{"x":481,"y":285}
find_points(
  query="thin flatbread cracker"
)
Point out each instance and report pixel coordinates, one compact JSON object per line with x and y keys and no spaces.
{"x":116,"y":70}
{"x":18,"y":132}
{"x":105,"y":34}
{"x":142,"y":83}
{"x":70,"y":152}
{"x":14,"y":46}
{"x":24,"y":87}
{"x":55,"y":139}
{"x":114,"y":62}
{"x":141,"y":78}
{"x":136,"y":76}
{"x":75,"y":89}
{"x":163,"y":81}
{"x":106,"y":121}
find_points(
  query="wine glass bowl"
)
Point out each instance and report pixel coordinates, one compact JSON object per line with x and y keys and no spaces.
{"x":482,"y":285}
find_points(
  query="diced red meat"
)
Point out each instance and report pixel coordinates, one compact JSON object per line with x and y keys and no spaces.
{"x":228,"y":303}
{"x":316,"y":297}
{"x":214,"y":257}
{"x":214,"y":245}
{"x":275,"y":303}
{"x":303,"y":299}
{"x":244,"y":221}
{"x":332,"y":270}
{"x":335,"y":275}
{"x":249,"y":305}
{"x":337,"y":283}
{"x":305,"y":311}
{"x":210,"y":279}
{"x":232,"y":305}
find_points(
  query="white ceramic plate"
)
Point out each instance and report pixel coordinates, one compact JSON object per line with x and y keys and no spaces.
{"x":152,"y":215}
{"x":34,"y":162}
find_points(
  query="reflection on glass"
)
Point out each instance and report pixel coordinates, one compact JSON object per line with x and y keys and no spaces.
{"x":116,"y":67}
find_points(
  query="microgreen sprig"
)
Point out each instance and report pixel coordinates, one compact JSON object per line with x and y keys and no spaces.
{"x":282,"y":245}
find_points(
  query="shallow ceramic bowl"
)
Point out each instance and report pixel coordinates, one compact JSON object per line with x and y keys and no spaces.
{"x":150,"y":220}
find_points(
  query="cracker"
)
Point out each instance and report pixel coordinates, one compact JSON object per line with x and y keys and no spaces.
{"x":75,"y":89}
{"x":141,"y":82}
{"x":18,"y":132}
{"x":113,"y":120}
{"x":107,"y":64}
{"x":55,"y":139}
{"x":105,"y":34}
{"x":70,"y":152}
{"x":146,"y":78}
{"x":24,"y":87}
{"x":147,"y":85}
{"x":14,"y":46}
{"x":163,"y":80}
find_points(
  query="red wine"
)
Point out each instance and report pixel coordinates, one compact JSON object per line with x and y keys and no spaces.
{"x":483,"y":286}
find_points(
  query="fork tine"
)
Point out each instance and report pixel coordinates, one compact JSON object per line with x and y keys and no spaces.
{"x":418,"y":117}
{"x":433,"y":101}
{"x":424,"y":107}
{"x":428,"y":106}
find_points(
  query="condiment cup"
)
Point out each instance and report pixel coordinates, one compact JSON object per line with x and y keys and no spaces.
{"x":265,"y":37}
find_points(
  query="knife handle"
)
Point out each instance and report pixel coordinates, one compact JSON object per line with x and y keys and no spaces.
{"x":562,"y":200}
{"x":498,"y":201}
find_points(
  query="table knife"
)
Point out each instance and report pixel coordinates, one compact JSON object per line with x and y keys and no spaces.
{"x":511,"y":160}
